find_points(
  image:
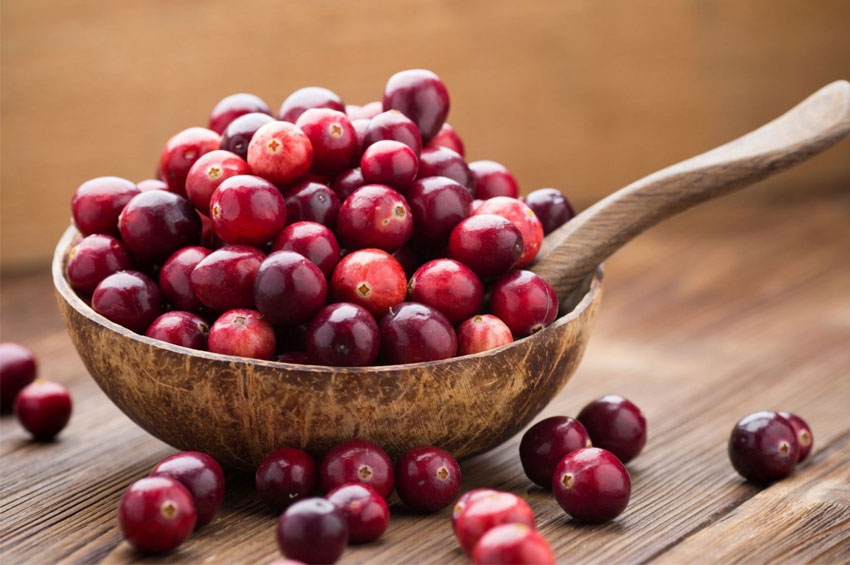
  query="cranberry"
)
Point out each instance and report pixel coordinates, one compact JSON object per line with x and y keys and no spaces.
{"x":225,"y":278}
{"x":412,"y":333}
{"x":512,"y":543}
{"x":443,"y":162}
{"x":805,"y":439}
{"x":247,"y":209}
{"x":493,"y":179}
{"x":488,"y":512}
{"x":389,"y":162}
{"x":209,"y":238}
{"x":43,"y":408}
{"x":180,"y":153}
{"x":332,"y":136}
{"x":357,"y":461}
{"x":97,"y":203}
{"x":128,"y":298}
{"x":449,"y":286}
{"x":238,"y":134}
{"x":408,"y":259}
{"x":370,"y":278}
{"x":180,"y":328}
{"x":448,"y":137}
{"x":174,"y":277}
{"x":366,"y":111}
{"x":361,"y":128}
{"x":284,"y":476}
{"x":465,"y":500}
{"x":523,"y":218}
{"x":151,"y":184}
{"x":343,"y":335}
{"x":312,"y":240}
{"x":428,"y":479}
{"x":551,"y":208}
{"x":312,"y":531}
{"x":421,"y":96}
{"x":156,"y":514}
{"x":615,"y":424}
{"x":375,"y":216}
{"x":17,"y":370}
{"x":202,"y":477}
{"x":546,"y":443}
{"x":294,"y":357}
{"x":591,"y":485}
{"x":476,"y":204}
{"x":242,"y":333}
{"x":482,"y":333}
{"x":155,"y":224}
{"x":93,"y":259}
{"x":305,"y":98}
{"x":438,"y":205}
{"x":763,"y":447}
{"x":209,"y":172}
{"x":280,"y":153}
{"x":365,"y":511}
{"x":346,"y":182}
{"x":234,"y":106}
{"x":311,"y":201}
{"x":488,"y":244}
{"x":393,"y":126}
{"x":289,"y":289}
{"x":524,"y":301}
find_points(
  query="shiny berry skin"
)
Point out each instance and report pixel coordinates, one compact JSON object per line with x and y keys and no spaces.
{"x":487,"y":512}
{"x":523,"y":218}
{"x":512,"y":543}
{"x":174,"y":277}
{"x":805,"y":438}
{"x":421,"y":96}
{"x":242,"y":333}
{"x":128,"y":298}
{"x":443,"y":162}
{"x":289,"y":289}
{"x":465,"y":500}
{"x":284,"y":476}
{"x":17,"y":370}
{"x":482,"y":333}
{"x":551,"y":208}
{"x":763,"y":447}
{"x":312,"y":240}
{"x":391,"y":163}
{"x":413,"y":333}
{"x":247,"y":210}
{"x":591,"y":485}
{"x":448,"y":137}
{"x":546,"y":443}
{"x":43,"y":408}
{"x":615,"y":424}
{"x":371,"y":278}
{"x":343,"y":335}
{"x":209,"y":238}
{"x":493,"y":179}
{"x":375,"y":216}
{"x":156,"y":514}
{"x":427,"y":479}
{"x":151,"y":184}
{"x":155,"y":224}
{"x":234,"y":106}
{"x":449,"y":286}
{"x":98,"y":202}
{"x":525,"y":301}
{"x":366,"y":111}
{"x":392,"y":125}
{"x":490,"y":245}
{"x":333,"y":139}
{"x":180,"y":328}
{"x":310,"y":201}
{"x":238,"y":134}
{"x":357,"y":461}
{"x":224,"y":279}
{"x":209,"y":172}
{"x":365,"y":511}
{"x":180,"y":153}
{"x":92,"y":260}
{"x":347,"y":181}
{"x":280,"y":153}
{"x":438,"y":205}
{"x":312,"y":531}
{"x":202,"y":477}
{"x":308,"y":97}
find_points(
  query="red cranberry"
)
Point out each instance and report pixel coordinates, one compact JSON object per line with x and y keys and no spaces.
{"x":389,"y":162}
{"x":361,"y":128}
{"x":289,"y":289}
{"x":155,"y":224}
{"x":294,"y":357}
{"x":375,"y":216}
{"x":615,"y":424}
{"x":428,"y":479}
{"x":488,"y":512}
{"x":476,"y":204}
{"x":43,"y":408}
{"x":449,"y":286}
{"x":551,"y":208}
{"x":128,"y":298}
{"x":438,"y":205}
{"x":763,"y":447}
{"x":312,"y":531}
{"x":357,"y":461}
{"x":174,"y":277}
{"x":512,"y":543}
{"x":234,"y":106}
{"x":310,"y":201}
{"x":98,"y":202}
{"x":312,"y":240}
{"x":490,"y":245}
{"x":525,"y":301}
{"x":93,"y":259}
{"x":242,"y":333}
{"x":238,"y":134}
{"x":546,"y":443}
{"x":343,"y":335}
{"x":346,"y":182}
{"x":805,"y":439}
{"x":365,"y":511}
{"x":209,"y":238}
{"x":493,"y":179}
{"x":209,"y":172}
{"x":448,"y":137}
{"x":17,"y":370}
{"x":180,"y":328}
{"x":305,"y":98}
{"x":523,"y":218}
{"x":151,"y":184}
{"x":465,"y":500}
{"x":280,"y":153}
{"x":181,"y":152}
{"x":482,"y":333}
{"x":202,"y":477}
{"x":285,"y":476}
{"x":393,"y":126}
{"x":370,"y":278}
{"x":367,"y":111}
{"x":156,"y":514}
{"x":247,"y":209}
{"x":225,"y":278}
{"x":421,"y":96}
{"x":412,"y":333}
{"x":591,"y":485}
{"x":443,"y":162}
{"x":332,"y":136}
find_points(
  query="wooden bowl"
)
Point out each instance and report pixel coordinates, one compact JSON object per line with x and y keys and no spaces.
{"x":238,"y":410}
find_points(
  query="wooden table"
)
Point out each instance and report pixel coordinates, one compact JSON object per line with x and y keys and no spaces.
{"x":739,"y":306}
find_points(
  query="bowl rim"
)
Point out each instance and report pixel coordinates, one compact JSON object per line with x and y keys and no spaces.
{"x":68,"y":294}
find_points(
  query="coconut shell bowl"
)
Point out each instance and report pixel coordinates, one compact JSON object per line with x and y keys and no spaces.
{"x":238,"y":409}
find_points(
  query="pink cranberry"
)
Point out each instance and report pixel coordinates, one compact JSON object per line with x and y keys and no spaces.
{"x":443,"y":162}
{"x":512,"y":543}
{"x":546,"y":443}
{"x":490,"y":511}
{"x":248,"y":210}
{"x":493,"y":179}
{"x":174,"y":277}
{"x":391,"y":163}
{"x":449,"y":286}
{"x":357,"y":461}
{"x":421,"y":96}
{"x":763,"y":447}
{"x":482,"y":333}
{"x":524,"y":301}
{"x":242,"y":333}
{"x":17,"y":370}
{"x":523,"y":218}
{"x":312,"y":240}
{"x":209,"y":172}
{"x":488,"y":244}
{"x":365,"y":511}
{"x":805,"y":439}
{"x":465,"y":500}
{"x":234,"y":106}
{"x":202,"y":477}
{"x":551,"y":208}
{"x":97,"y":203}
{"x":93,"y":259}
{"x":151,"y":184}
{"x":428,"y":479}
{"x":155,"y":224}
{"x":285,"y":475}
{"x":346,"y":182}
{"x":412,"y":333}
{"x":343,"y":335}
{"x":225,"y":278}
{"x":156,"y":514}
{"x":180,"y":153}
{"x":289,"y":289}
{"x":393,"y":126}
{"x":310,"y":201}
{"x":332,"y":136}
{"x":180,"y":328}
{"x":280,"y":153}
{"x":312,"y":531}
{"x":615,"y":424}
{"x":366,"y":111}
{"x":448,"y":137}
{"x":238,"y":134}
{"x":305,"y":98}
{"x":43,"y":408}
{"x":128,"y":298}
{"x":375,"y":216}
{"x":370,"y":278}
{"x":591,"y":485}
{"x":438,"y":205}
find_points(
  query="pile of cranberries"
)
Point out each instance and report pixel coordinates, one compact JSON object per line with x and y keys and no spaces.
{"x":766,"y":446}
{"x":329,"y":234}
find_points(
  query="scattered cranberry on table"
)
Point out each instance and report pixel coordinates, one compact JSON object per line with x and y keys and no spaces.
{"x":525,"y":301}
{"x":285,"y":476}
{"x":805,"y":438}
{"x":371,"y":278}
{"x":239,"y":132}
{"x":615,"y":424}
{"x":224,"y":279}
{"x":546,"y":443}
{"x":414,"y":333}
{"x":482,"y":333}
{"x":155,"y":224}
{"x":43,"y":408}
{"x":98,"y":202}
{"x":289,"y":289}
{"x":365,"y":511}
{"x":486,"y":512}
{"x":509,"y":544}
{"x":763,"y":447}
{"x":448,"y":137}
{"x":201,"y":475}
{"x":209,"y":172}
{"x":493,"y":179}
{"x":306,"y":98}
{"x":592,"y":485}
{"x":242,"y":333}
{"x":17,"y":370}
{"x":234,"y":106}
{"x":313,"y":531}
{"x":180,"y":328}
{"x":128,"y":298}
{"x":357,"y":461}
{"x":551,"y":208}
{"x":449,"y":286}
{"x":343,"y":335}
{"x":93,"y":259}
{"x":465,"y":500}
{"x":180,"y":153}
{"x":427,"y":478}
{"x":156,"y":514}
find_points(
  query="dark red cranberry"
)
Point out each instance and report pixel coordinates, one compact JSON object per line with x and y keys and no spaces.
{"x":17,"y":370}
{"x":280,"y":153}
{"x":346,"y":182}
{"x":525,"y":301}
{"x":763,"y":447}
{"x":242,"y":333}
{"x":289,"y":289}
{"x":443,"y":162}
{"x":312,"y":531}
{"x":93,"y":259}
{"x":408,"y":259}
{"x":427,"y":479}
{"x":209,"y":238}
{"x":615,"y":424}
{"x":308,"y":97}
{"x":512,"y":543}
{"x":366,"y":111}
{"x":202,"y":477}
{"x":310,"y":201}
{"x":523,"y":218}
{"x":332,"y":136}
{"x":488,"y":244}
{"x":343,"y":335}
{"x":312,"y":240}
{"x":180,"y":328}
{"x":151,"y":184}
{"x":155,"y":224}
{"x":375,"y":216}
{"x":174,"y":277}
{"x":487,"y":512}
{"x":209,"y":172}
{"x":370,"y":278}
{"x":43,"y":408}
{"x":421,"y":96}
{"x":128,"y":298}
{"x":546,"y":443}
{"x":156,"y":514}
{"x":357,"y":461}
{"x":449,"y":286}
{"x":481,"y":333}
{"x":591,"y":485}
{"x":361,"y":128}
{"x":238,"y":134}
{"x":180,"y":153}
{"x":551,"y":208}
{"x":234,"y":106}
{"x":393,"y":126}
{"x":412,"y":333}
{"x":225,"y":278}
{"x":448,"y":137}
{"x":465,"y":500}
{"x":365,"y":511}
{"x":493,"y":179}
{"x":97,"y":203}
{"x":438,"y":205}
{"x":391,"y":163}
{"x":285,"y":475}
{"x":805,"y":439}
{"x":294,"y":357}
{"x":248,"y":210}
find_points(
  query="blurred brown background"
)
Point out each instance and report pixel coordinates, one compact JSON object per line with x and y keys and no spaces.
{"x":578,"y":94}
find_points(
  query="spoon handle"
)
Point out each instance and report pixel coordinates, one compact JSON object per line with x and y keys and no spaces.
{"x":574,"y":250}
